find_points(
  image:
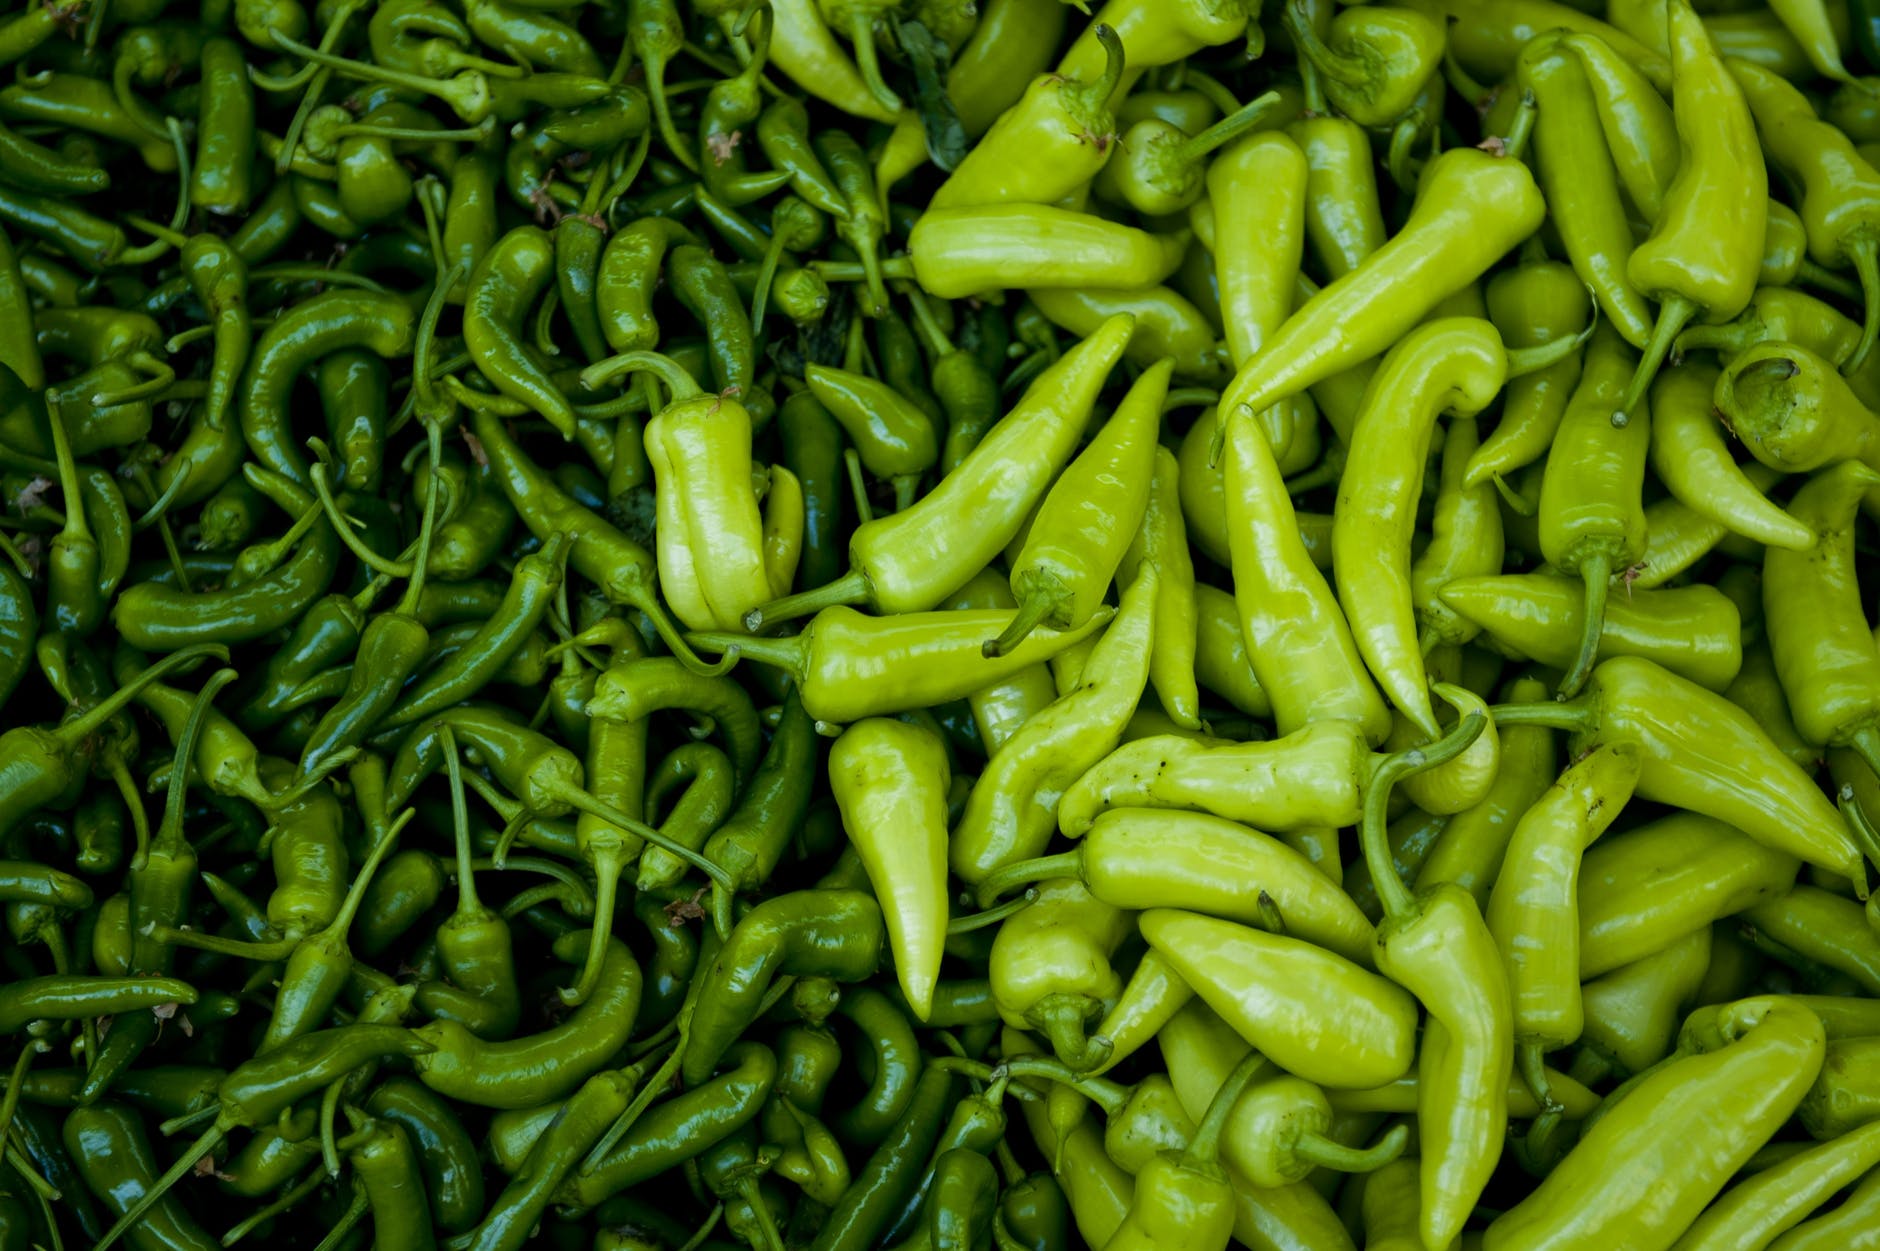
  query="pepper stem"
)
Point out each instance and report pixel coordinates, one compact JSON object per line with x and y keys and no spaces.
{"x":1025,"y":872}
{"x":1340,"y":67}
{"x":1205,"y":1146}
{"x":1374,"y":837}
{"x":990,"y":916}
{"x":1038,"y":604}
{"x":1864,"y":833}
{"x":1530,"y":1058}
{"x":679,"y":643}
{"x":722,"y":886}
{"x":239,"y":949}
{"x":1821,"y":278}
{"x":608,"y":864}
{"x":1229,"y":128}
{"x":862,"y":35}
{"x":1596,"y":572}
{"x":1060,"y":1017}
{"x":1321,"y":1151}
{"x":1097,"y":94}
{"x":1530,"y":360}
{"x":1515,"y":142}
{"x":438,"y":87}
{"x":669,"y":371}
{"x":1674,"y":314}
{"x":850,"y":588}
{"x":93,"y":719}
{"x":1865,"y":255}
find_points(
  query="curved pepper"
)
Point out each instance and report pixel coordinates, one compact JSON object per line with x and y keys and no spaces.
{"x":1473,"y":209}
{"x":1531,"y":910}
{"x":1688,"y":264}
{"x":912,"y":560}
{"x":1692,"y":630}
{"x":968,"y":251}
{"x":1751,"y":1060}
{"x":1314,"y":1013}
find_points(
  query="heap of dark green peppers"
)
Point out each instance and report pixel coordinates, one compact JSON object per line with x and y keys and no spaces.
{"x":627,"y":624}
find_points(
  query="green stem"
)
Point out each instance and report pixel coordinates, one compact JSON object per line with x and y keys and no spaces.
{"x":1066,"y":864}
{"x":1866,"y":258}
{"x":1032,"y":610}
{"x":666,"y":369}
{"x":1340,"y":67}
{"x":1596,"y":572}
{"x":1206,"y":1144}
{"x":1674,"y":314}
{"x":991,"y":916}
{"x":1530,"y":1059}
{"x":850,"y":588}
{"x":1515,"y":142}
{"x":1373,"y":834}
{"x":1529,"y":360}
{"x":1229,"y":128}
{"x":1321,"y":1151}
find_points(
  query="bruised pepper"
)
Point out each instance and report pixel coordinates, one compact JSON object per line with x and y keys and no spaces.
{"x":1082,"y":530}
{"x":1705,"y":249}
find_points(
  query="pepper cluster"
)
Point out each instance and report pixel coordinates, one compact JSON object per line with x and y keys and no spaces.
{"x":625,"y":622}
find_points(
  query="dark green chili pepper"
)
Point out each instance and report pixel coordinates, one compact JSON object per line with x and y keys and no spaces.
{"x":538,"y":577}
{"x":892,"y":1172}
{"x":377,"y":322}
{"x":836,"y":934}
{"x":113,"y":1154}
{"x":225,"y":131}
{"x":453,"y":1175}
{"x":630,"y":272}
{"x":731,"y":106}
{"x":701,"y":284}
{"x":889,"y":1033}
{"x":386,"y":1168}
{"x":783,"y":134}
{"x":678,"y":1129}
{"x":505,"y":285}
{"x":751,"y":842}
{"x":353,"y":386}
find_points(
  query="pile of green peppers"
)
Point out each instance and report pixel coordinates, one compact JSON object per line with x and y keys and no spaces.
{"x":657,"y":625}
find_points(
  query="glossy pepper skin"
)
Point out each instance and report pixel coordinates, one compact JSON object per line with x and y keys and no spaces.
{"x":1818,"y":633}
{"x":1046,"y":146}
{"x":1737,"y":775}
{"x":890,"y":780}
{"x":836,"y":934}
{"x":1051,"y":968}
{"x":1473,"y":208}
{"x":912,"y":560}
{"x":1281,"y":994}
{"x":1297,"y":637}
{"x":1452,"y":364}
{"x":1840,"y":192}
{"x":1531,"y":911}
{"x":1752,"y":1059}
{"x":1081,"y":531}
{"x":1009,"y":813}
{"x":1690,"y":456}
{"x":1688,"y":265}
{"x":1694,"y":631}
